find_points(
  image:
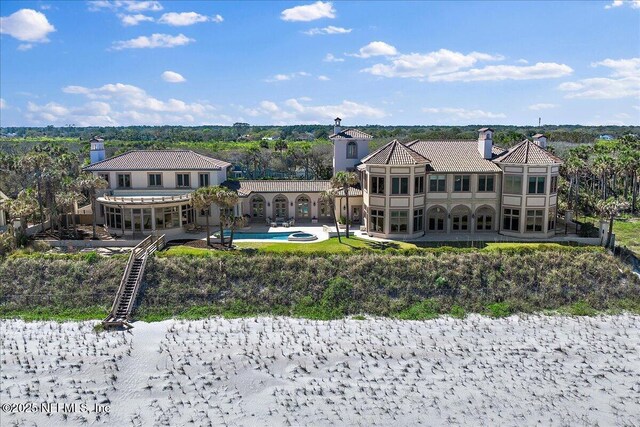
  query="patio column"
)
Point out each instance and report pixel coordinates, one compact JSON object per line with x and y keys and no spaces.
{"x":133,"y":224}
{"x":180,"y":214}
{"x":153,"y":218}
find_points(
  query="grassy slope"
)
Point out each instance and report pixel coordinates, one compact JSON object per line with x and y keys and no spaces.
{"x":626,"y":229}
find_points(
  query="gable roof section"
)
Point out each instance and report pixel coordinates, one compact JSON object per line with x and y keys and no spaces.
{"x":156,"y":160}
{"x":528,"y":152}
{"x":350,"y":134}
{"x":455,"y":155}
{"x":248,"y":187}
{"x":395,"y":153}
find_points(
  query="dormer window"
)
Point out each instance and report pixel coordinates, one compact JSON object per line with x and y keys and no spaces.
{"x":352,"y":150}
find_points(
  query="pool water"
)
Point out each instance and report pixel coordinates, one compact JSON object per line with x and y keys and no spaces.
{"x":243,"y":235}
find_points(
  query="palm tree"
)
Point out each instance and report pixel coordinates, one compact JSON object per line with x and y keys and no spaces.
{"x":610,"y":209}
{"x":38,"y":164}
{"x":226,"y":199}
{"x":21,"y":208}
{"x":202,"y":199}
{"x":89,"y":184}
{"x":343,"y":181}
{"x":68,"y":199}
{"x":234,"y":223}
{"x":330,"y":197}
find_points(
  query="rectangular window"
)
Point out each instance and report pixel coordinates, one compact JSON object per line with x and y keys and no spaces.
{"x":536,"y":185}
{"x":377,"y":221}
{"x":399,"y":185}
{"x":399,"y":221}
{"x":461,"y":183}
{"x":124,"y":180}
{"x":352,"y":150}
{"x":418,"y":185}
{"x":418,"y":220}
{"x":437,"y":183}
{"x":511,"y":219}
{"x":484,"y":221}
{"x":512,"y":184}
{"x":377,"y":185}
{"x":155,"y":180}
{"x":104,"y":176}
{"x":485,"y":183}
{"x":534,"y":220}
{"x":553,"y":184}
{"x":204,"y":179}
{"x":183,"y":180}
{"x":551,"y":223}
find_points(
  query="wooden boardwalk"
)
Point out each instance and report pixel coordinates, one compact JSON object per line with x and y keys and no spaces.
{"x":122,"y":308}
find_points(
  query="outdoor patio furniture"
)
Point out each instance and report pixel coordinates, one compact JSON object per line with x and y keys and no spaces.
{"x":292,"y":222}
{"x":274,"y":224}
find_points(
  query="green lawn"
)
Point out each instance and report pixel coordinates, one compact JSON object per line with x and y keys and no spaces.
{"x":354,"y":245}
{"x":626,"y":229}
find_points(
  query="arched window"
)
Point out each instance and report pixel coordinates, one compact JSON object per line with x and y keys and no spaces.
{"x":437,"y":219}
{"x":352,"y":150}
{"x":257,"y":207}
{"x":460,"y":217}
{"x":302,"y":207}
{"x":484,"y":218}
{"x":280,"y":208}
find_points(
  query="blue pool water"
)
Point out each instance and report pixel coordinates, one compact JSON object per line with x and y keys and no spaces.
{"x":242,"y":235}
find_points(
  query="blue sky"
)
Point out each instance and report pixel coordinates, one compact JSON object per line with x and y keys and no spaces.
{"x":389,"y":63}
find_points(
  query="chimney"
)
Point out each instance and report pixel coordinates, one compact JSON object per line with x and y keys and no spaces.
{"x":540,"y":140}
{"x":485,"y":143}
{"x":97,"y":153}
{"x":336,"y":125}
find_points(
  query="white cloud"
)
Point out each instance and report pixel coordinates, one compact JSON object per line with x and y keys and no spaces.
{"x":418,"y":65}
{"x":173,"y":77}
{"x":464,"y":114}
{"x":25,"y":46}
{"x":542,"y":106}
{"x":131,"y":20}
{"x":323,"y":78}
{"x":3,"y":104}
{"x":120,"y":104}
{"x":309,"y":12}
{"x":623,"y":82}
{"x":285,"y":77}
{"x":330,"y":58}
{"x":154,"y":41}
{"x":635,"y":4}
{"x":376,"y":49}
{"x":131,"y":6}
{"x":187,"y":18}
{"x":295,"y":111}
{"x":27,"y":25}
{"x":327,"y":30}
{"x":522,"y":61}
{"x":541,"y":70}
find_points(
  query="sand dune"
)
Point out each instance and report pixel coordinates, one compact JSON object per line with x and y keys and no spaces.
{"x":533,"y":370}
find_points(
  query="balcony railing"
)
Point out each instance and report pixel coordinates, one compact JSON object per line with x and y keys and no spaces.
{"x":145,"y":199}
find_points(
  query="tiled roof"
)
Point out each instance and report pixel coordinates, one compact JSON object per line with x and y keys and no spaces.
{"x":247,"y":187}
{"x":395,"y":153}
{"x":528,"y":152}
{"x":455,"y":155}
{"x":155,"y":160}
{"x":350,"y":134}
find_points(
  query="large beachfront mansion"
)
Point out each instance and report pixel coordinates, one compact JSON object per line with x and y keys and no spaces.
{"x":407,"y":190}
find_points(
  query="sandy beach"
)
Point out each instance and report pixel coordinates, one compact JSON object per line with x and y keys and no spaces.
{"x":533,"y":370}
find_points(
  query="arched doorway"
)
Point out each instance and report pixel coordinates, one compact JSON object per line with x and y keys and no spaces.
{"x":257,"y":208}
{"x":303,"y":207}
{"x":437,"y":219}
{"x":280,"y":207}
{"x":485,"y":218}
{"x":460,"y":218}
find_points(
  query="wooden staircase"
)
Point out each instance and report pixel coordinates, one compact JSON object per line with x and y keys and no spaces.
{"x":122,"y":307}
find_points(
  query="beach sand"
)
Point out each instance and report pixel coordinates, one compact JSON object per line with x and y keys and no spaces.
{"x":530,"y":370}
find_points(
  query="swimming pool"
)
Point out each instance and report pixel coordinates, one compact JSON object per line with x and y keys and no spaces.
{"x":244,"y":235}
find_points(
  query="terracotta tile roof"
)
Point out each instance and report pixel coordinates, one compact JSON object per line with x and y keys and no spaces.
{"x":528,"y":152}
{"x":248,"y":187}
{"x":455,"y":155}
{"x":350,"y":134}
{"x":395,"y":153}
{"x":155,"y":160}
